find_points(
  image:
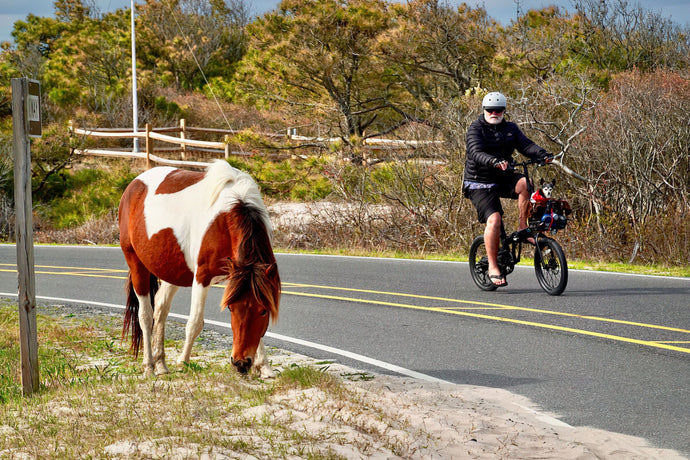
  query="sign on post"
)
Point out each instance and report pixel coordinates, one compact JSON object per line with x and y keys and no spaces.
{"x":33,"y":109}
{"x":26,"y":121}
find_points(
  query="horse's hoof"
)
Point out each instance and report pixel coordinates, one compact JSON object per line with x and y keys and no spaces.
{"x":148,"y":371}
{"x":267,"y":373}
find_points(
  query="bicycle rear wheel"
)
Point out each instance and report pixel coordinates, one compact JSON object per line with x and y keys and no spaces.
{"x":479,"y":265}
{"x":550,"y":266}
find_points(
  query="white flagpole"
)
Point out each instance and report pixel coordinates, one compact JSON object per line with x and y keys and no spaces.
{"x":135,"y":108}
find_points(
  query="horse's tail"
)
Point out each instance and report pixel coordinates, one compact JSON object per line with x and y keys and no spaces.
{"x":131,"y":324}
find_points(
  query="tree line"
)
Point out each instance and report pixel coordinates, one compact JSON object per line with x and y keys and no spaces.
{"x":606,"y":84}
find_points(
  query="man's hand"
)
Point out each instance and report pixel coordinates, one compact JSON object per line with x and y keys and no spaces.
{"x":546,"y":159}
{"x":502,"y":165}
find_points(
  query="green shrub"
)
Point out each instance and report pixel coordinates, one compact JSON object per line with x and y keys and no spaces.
{"x":73,"y":198}
{"x":167,"y":109}
{"x":287,"y":179}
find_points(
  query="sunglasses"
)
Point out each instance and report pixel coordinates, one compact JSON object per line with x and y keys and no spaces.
{"x":496,"y":111}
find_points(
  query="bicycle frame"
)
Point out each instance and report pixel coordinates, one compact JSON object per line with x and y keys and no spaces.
{"x":512,"y":244}
{"x":549,"y":259}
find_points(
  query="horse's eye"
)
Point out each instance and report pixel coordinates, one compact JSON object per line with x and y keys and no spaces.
{"x":264,"y":312}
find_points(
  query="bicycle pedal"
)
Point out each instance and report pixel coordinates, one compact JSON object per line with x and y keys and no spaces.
{"x":525,"y":232}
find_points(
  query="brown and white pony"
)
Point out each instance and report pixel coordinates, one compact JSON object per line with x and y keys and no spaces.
{"x":188,"y":228}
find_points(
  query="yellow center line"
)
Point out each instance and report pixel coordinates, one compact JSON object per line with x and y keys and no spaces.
{"x":90,"y":275}
{"x":502,"y":319}
{"x":495,"y":305}
{"x":88,"y":269}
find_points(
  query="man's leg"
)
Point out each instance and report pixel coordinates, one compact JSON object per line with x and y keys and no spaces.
{"x":492,"y":240}
{"x":523,"y":202}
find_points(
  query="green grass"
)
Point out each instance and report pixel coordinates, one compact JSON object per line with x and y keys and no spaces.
{"x":92,"y":391}
{"x":66,"y":348}
{"x":306,"y":377}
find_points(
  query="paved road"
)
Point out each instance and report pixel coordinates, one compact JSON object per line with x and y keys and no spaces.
{"x":612,"y":352}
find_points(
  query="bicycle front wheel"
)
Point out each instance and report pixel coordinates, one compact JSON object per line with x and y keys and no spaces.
{"x":550,"y":266}
{"x":479,"y":265}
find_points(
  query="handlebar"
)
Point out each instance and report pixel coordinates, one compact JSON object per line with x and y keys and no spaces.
{"x":537,"y":161}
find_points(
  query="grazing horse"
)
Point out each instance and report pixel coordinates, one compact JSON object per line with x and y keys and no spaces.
{"x":195,"y":229}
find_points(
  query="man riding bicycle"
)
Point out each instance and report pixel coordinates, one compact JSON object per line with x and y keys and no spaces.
{"x":491,"y":141}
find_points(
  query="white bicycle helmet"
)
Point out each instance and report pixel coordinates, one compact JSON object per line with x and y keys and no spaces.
{"x":494,"y":100}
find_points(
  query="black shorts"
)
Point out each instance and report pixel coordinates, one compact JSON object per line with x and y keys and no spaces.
{"x":488,"y":200}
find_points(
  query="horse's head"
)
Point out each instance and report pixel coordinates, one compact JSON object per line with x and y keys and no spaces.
{"x":252,"y":296}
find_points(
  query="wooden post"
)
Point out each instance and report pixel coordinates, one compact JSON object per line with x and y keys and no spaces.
{"x":183,"y":135}
{"x":227,"y":146}
{"x":28,"y":336}
{"x":149,"y":145}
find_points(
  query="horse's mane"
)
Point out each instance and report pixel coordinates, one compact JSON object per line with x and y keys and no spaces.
{"x":244,"y":189}
{"x":254,"y":268}
{"x":218,"y":175}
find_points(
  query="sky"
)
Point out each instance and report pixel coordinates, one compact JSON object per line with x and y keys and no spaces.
{"x":502,"y":10}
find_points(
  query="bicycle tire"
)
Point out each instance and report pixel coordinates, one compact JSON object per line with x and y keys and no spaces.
{"x":550,"y":266}
{"x":479,"y":265}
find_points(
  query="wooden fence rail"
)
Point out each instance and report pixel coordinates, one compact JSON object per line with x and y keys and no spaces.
{"x":149,"y":135}
{"x":183,"y":142}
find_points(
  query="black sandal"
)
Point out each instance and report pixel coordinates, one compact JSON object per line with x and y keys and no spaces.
{"x":498,"y":277}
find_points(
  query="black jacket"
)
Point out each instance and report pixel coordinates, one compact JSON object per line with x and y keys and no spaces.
{"x":487,"y":143}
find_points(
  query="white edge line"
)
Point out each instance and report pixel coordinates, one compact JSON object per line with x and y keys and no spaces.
{"x":358,"y":357}
{"x":285,"y":338}
{"x":544,"y":417}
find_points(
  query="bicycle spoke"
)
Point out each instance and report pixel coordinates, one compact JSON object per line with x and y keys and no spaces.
{"x":550,"y":266}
